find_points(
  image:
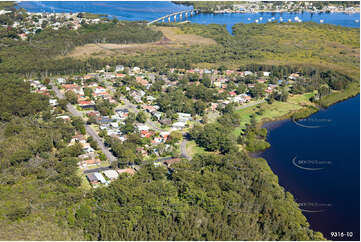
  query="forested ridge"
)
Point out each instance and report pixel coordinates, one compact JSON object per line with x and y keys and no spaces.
{"x":213,"y":197}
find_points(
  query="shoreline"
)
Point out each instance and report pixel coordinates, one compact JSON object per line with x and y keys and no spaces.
{"x":281,"y":11}
{"x":277,"y":122}
{"x":288,"y":116}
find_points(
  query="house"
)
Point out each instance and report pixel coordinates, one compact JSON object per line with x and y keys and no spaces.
{"x":99,"y":90}
{"x":111,"y":174}
{"x":87,"y":148}
{"x":142,"y":127}
{"x":129,"y":171}
{"x":157,"y":114}
{"x":141,"y":81}
{"x":232,"y":94}
{"x":171,"y":161}
{"x":294,"y":76}
{"x":149,"y":109}
{"x":100,"y":178}
{"x":89,"y":163}
{"x":261,"y":81}
{"x":61,"y":80}
{"x":151,"y":98}
{"x":136,"y":69}
{"x":229,"y":72}
{"x":217,"y":84}
{"x":53,"y":102}
{"x":179,"y":125}
{"x":119,"y":68}
{"x":92,"y":178}
{"x":184,"y":117}
{"x":145,"y":134}
{"x":120,"y":75}
{"x":86,"y":104}
{"x":266,"y":73}
{"x":64,"y":117}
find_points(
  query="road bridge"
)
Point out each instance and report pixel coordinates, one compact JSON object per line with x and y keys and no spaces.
{"x":175,"y":16}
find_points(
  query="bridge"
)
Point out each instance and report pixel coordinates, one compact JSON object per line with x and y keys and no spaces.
{"x":171,"y":16}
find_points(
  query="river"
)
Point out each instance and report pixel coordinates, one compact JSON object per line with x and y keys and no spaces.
{"x":318,"y":165}
{"x":149,"y":11}
{"x":317,"y":159}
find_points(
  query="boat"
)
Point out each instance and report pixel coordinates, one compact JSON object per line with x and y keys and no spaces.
{"x":321,"y":20}
{"x":256,"y":20}
{"x":289,"y":20}
{"x":356,"y":20}
{"x":249,"y":19}
{"x":260,"y":18}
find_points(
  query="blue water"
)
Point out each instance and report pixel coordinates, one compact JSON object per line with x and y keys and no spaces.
{"x":131,"y":11}
{"x":152,"y":10}
{"x":337,"y":185}
{"x":229,"y":19}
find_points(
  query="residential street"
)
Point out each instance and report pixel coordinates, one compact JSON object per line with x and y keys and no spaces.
{"x":250,"y":104}
{"x":183,"y":148}
{"x":90,"y":131}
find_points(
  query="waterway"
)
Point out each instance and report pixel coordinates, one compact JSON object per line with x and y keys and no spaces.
{"x":317,"y":160}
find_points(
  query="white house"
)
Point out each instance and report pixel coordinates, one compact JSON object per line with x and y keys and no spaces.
{"x":266,"y":73}
{"x":100,"y":177}
{"x":179,"y":125}
{"x":111,"y":174}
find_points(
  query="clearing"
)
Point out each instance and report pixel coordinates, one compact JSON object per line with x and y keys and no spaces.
{"x":173,"y":38}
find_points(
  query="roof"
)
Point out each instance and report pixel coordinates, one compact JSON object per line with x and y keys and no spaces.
{"x":127,"y":170}
{"x":171,"y":161}
{"x":92,"y":178}
{"x":111,"y":174}
{"x":100,"y":177}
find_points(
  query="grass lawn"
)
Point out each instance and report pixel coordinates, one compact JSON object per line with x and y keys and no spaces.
{"x":193,"y":148}
{"x":84,"y":182}
{"x":272,"y":111}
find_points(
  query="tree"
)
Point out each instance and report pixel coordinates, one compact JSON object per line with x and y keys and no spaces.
{"x":88,"y":92}
{"x":71,"y":97}
{"x":141,"y":117}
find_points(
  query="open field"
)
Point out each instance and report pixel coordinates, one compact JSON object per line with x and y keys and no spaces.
{"x":272,"y":111}
{"x":173,"y":38}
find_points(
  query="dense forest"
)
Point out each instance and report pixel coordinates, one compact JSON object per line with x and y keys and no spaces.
{"x":213,"y":197}
{"x":37,"y":54}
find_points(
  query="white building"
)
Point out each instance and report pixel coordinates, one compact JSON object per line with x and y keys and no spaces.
{"x":111,"y":174}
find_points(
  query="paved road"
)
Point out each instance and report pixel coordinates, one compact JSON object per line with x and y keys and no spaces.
{"x":250,"y":105}
{"x":97,"y":169}
{"x":153,"y":126}
{"x":183,"y":148}
{"x":88,"y":128}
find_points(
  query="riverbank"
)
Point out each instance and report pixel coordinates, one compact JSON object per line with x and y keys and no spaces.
{"x":351,"y":91}
{"x":335,"y":141}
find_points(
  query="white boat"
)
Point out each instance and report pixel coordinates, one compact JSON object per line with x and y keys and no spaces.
{"x":289,"y":20}
{"x":357,"y":20}
{"x":256,"y":20}
{"x":321,"y":20}
{"x":249,"y":19}
{"x":260,"y":18}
